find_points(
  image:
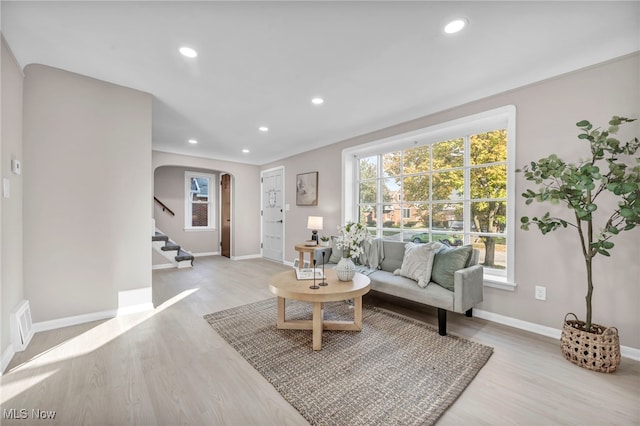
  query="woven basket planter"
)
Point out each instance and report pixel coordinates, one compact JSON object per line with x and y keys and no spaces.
{"x":598,"y":350}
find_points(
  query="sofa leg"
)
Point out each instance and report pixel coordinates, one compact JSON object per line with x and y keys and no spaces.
{"x":469,"y":313}
{"x":442,"y":322}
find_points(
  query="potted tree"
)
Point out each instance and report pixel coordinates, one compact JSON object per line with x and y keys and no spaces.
{"x":581,"y":188}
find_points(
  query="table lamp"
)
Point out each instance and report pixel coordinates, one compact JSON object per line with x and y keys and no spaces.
{"x":315,"y":224}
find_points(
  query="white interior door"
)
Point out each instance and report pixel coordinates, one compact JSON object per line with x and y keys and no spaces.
{"x":273,"y":214}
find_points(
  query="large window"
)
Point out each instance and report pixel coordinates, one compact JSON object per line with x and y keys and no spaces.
{"x":448,"y":184}
{"x":199,"y":196}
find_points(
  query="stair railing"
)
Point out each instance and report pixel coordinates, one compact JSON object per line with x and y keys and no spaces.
{"x":164,"y":207}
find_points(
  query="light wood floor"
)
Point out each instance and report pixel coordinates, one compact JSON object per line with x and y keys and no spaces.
{"x":169,"y":367}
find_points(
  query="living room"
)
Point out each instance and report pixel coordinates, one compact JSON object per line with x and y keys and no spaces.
{"x":89,"y":260}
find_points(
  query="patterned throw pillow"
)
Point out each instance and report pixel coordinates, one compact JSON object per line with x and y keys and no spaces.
{"x":418,"y":262}
{"x":447,"y":262}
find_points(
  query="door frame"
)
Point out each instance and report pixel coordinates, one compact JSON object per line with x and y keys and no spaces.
{"x":220,"y":224}
{"x":284,"y":209}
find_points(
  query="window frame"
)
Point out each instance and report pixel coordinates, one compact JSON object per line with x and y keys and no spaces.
{"x":188,"y":202}
{"x":503,"y":117}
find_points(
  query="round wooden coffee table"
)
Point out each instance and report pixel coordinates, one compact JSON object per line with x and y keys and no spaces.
{"x":286,"y":286}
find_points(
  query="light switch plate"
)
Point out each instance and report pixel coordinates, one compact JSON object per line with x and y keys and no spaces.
{"x":16,"y":167}
{"x":6,"y":187}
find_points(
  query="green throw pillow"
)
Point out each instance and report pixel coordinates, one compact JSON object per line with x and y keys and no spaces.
{"x":447,"y":262}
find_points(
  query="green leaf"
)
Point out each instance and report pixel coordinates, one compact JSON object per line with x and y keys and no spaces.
{"x":629,"y":187}
{"x":627,"y":213}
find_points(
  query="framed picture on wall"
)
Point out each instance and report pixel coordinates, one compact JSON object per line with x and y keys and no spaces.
{"x":307,"y":189}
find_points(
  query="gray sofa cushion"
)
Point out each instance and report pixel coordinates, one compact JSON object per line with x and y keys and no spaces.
{"x":393,"y":255}
{"x":447,"y":262}
{"x":399,"y":286}
{"x":336,"y":253}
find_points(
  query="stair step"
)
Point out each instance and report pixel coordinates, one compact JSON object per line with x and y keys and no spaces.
{"x":159,"y":237}
{"x":183,"y":255}
{"x":170,"y":247}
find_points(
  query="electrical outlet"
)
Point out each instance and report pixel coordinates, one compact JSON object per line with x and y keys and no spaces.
{"x":541,"y":293}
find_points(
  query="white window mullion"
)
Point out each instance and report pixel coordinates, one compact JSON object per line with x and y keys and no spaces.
{"x":466,"y":200}
{"x":379,"y":197}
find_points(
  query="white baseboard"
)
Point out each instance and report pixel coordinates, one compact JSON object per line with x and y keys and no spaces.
{"x":211,"y":253}
{"x":163,"y":266}
{"x":625,"y":351}
{"x":95,"y":316}
{"x":74,"y":320}
{"x":249,"y":256}
{"x":7,"y":356}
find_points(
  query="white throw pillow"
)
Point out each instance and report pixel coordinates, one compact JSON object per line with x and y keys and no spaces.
{"x":418,"y":261}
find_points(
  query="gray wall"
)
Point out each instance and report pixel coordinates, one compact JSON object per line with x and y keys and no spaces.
{"x":169,"y":188}
{"x":245,"y":197}
{"x":11,"y":209}
{"x":546,"y":117}
{"x":87,"y":217}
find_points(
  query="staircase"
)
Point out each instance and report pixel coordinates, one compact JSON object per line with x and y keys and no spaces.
{"x":172,"y":251}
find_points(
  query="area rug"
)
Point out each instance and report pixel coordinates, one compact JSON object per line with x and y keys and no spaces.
{"x":395,"y":371}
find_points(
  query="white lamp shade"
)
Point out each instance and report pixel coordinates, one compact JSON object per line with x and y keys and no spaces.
{"x":314,"y":223}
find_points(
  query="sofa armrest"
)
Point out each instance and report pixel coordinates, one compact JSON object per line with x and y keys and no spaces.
{"x":468,"y":288}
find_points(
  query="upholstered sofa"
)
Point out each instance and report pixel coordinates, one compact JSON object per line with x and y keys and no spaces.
{"x":447,"y":278}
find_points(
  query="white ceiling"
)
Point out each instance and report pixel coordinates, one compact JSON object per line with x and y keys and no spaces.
{"x":260,"y":63}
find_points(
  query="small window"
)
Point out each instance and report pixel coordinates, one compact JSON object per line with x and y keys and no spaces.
{"x":199,"y":196}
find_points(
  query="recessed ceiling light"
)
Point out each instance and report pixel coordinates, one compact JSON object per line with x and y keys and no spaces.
{"x":317,"y":101}
{"x":246,"y":151}
{"x":188,"y":52}
{"x":193,"y":141}
{"x":263,"y":128}
{"x":455,"y":26}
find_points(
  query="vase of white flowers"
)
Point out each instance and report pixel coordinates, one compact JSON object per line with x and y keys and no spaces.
{"x":350,"y":239}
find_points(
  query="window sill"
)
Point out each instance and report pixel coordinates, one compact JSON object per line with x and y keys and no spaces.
{"x":498,"y":282}
{"x":203,"y":229}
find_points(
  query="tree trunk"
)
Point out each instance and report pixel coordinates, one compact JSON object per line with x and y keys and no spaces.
{"x":489,"y":251}
{"x":589,"y":294}
{"x":490,"y":242}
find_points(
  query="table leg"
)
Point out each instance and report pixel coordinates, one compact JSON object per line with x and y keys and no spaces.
{"x":301,"y":260}
{"x":281,"y":310}
{"x":357,"y":312}
{"x":318,"y":314}
{"x":311,"y":257}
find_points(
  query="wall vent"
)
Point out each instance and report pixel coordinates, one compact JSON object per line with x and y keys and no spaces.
{"x":21,"y":326}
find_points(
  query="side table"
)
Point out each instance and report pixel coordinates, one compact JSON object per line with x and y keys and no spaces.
{"x":302,"y":249}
